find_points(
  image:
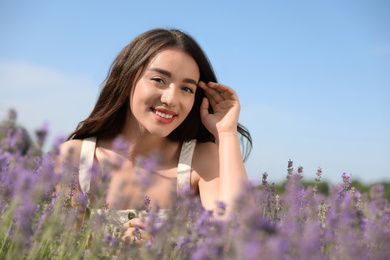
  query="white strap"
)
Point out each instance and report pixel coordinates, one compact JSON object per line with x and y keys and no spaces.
{"x":88,"y":154}
{"x":86,"y":163}
{"x":184,"y":167}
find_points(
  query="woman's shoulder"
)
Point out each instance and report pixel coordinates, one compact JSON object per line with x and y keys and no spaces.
{"x":205,"y":161}
{"x":69,"y":151}
{"x":71,"y":147}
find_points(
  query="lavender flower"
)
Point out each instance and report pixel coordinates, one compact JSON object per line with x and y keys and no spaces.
{"x":37,"y":221}
{"x":290,"y":169}
{"x":41,"y":134}
{"x":317,"y":180}
{"x":137,"y":233}
{"x":264,"y":181}
{"x":221,"y":208}
{"x":318,"y":175}
{"x":344,"y":186}
{"x":12,"y":115}
{"x":147,"y":204}
{"x":121,"y":145}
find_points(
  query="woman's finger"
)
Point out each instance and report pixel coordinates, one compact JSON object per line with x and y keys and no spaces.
{"x":140,"y":233}
{"x":132,"y":239}
{"x":128,"y":238}
{"x":225,"y":91}
{"x":220,"y":87}
{"x":140,"y":222}
{"x":127,"y":235}
{"x":204,"y":108}
{"x":212,"y":94}
{"x":134,"y":233}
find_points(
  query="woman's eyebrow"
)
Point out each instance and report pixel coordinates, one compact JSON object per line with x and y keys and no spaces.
{"x":164,"y":72}
{"x":168,"y":74}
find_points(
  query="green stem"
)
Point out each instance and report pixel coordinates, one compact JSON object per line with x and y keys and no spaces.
{"x":6,"y":237}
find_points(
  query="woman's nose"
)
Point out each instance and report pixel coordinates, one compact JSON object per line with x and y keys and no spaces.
{"x":169,"y":96}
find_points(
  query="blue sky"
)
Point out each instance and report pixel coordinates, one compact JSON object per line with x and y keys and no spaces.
{"x":312,"y":76}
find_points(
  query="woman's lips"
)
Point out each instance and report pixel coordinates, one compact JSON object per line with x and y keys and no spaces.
{"x":163,"y":116}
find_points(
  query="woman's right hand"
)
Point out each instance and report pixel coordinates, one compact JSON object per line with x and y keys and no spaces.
{"x":134,"y":230}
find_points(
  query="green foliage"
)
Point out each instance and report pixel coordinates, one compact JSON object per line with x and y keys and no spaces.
{"x":324,"y":187}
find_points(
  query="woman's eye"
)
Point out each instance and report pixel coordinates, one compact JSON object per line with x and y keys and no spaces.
{"x":187,"y":89}
{"x":159,"y":80}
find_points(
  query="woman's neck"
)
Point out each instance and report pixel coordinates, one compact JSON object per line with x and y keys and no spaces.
{"x":143,"y":144}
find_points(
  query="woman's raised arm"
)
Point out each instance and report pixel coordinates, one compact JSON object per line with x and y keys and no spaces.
{"x":232,"y":177}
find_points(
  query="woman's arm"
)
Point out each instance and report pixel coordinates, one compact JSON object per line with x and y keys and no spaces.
{"x":232,"y":177}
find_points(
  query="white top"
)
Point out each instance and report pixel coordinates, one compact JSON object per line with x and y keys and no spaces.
{"x":113,"y":219}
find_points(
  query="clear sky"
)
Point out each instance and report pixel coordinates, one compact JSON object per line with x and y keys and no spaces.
{"x":313,"y":77}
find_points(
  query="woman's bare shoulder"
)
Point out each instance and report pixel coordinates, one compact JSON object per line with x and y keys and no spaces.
{"x":69,"y":151}
{"x":206,"y":160}
{"x":71,"y":147}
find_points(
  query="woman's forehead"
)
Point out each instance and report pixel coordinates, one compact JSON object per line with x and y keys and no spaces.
{"x":173,"y":61}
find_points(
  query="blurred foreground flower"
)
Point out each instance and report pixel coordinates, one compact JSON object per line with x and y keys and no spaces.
{"x":37,"y":222}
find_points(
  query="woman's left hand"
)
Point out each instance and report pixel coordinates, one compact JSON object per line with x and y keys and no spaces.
{"x":226,"y":107}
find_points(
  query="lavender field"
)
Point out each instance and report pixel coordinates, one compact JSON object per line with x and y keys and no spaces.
{"x":37,"y":222}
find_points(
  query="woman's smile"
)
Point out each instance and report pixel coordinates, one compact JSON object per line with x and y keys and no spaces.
{"x":163,"y":116}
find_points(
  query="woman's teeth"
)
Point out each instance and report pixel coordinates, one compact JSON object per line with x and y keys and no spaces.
{"x":163,"y":115}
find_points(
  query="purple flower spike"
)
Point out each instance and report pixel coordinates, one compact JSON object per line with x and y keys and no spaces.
{"x":147,"y":204}
{"x":137,"y":233}
{"x":42,"y":133}
{"x":38,"y":217}
{"x":12,"y":115}
{"x":221,"y":208}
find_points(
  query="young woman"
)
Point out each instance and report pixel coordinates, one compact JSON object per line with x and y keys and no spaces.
{"x":161,"y":96}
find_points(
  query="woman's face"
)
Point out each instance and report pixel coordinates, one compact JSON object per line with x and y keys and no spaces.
{"x":164,"y":94}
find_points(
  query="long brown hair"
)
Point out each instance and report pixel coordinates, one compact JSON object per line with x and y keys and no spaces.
{"x":110,"y":112}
